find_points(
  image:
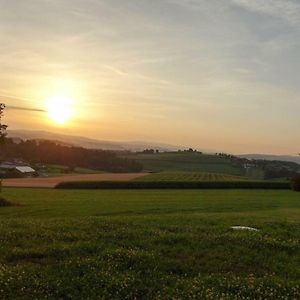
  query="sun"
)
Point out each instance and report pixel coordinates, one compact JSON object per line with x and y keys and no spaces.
{"x":59,"y":109}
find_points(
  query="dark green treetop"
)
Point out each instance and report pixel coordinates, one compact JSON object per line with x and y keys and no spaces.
{"x":3,"y":127}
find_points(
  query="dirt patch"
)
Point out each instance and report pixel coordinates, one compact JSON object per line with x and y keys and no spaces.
{"x":51,"y":182}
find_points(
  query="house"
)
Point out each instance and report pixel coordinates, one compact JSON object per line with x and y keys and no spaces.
{"x":11,"y":170}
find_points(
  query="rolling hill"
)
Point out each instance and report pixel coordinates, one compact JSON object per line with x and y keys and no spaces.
{"x":189,"y":162}
{"x":88,"y":142}
{"x":290,"y":158}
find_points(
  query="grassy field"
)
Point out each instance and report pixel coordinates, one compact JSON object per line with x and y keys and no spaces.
{"x":158,"y":244}
{"x":189,"y":176}
{"x":58,"y":170}
{"x":188,"y":162}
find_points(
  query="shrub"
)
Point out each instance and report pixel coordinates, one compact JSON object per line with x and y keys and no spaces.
{"x":5,"y":203}
{"x":295,"y":183}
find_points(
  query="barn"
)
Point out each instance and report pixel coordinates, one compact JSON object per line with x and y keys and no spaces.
{"x":10,"y":170}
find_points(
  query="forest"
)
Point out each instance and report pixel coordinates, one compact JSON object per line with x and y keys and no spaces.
{"x":51,"y":152}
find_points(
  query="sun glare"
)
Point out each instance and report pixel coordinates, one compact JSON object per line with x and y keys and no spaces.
{"x":59,"y":109}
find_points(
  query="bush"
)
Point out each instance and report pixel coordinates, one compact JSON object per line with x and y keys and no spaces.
{"x":173,"y":185}
{"x":295,"y":183}
{"x":5,"y":203}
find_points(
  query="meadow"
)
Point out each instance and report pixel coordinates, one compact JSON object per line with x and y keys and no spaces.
{"x":149,"y":244}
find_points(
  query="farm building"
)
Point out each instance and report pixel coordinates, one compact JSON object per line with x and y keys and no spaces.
{"x":10,"y":170}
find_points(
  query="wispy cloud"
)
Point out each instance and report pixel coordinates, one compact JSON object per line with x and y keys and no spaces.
{"x":191,"y":4}
{"x":4,"y":97}
{"x":287,"y":10}
{"x":12,"y":107}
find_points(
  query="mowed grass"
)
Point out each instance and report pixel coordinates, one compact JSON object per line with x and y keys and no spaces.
{"x":157,"y":244}
{"x":190,"y":176}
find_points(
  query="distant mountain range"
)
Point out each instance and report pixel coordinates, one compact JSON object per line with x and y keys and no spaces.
{"x":88,"y":142}
{"x":290,"y":158}
{"x":121,"y":146}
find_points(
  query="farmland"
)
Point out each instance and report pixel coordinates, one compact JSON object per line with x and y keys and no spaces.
{"x":194,"y":162}
{"x":179,"y":180}
{"x":189,"y":162}
{"x":60,"y":170}
{"x":186,"y":161}
{"x":51,"y":182}
{"x":158,"y":244}
{"x":189,"y":176}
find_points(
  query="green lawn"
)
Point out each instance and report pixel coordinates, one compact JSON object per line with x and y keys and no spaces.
{"x":149,"y":244}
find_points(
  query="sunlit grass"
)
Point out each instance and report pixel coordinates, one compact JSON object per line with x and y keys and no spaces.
{"x":149,"y":244}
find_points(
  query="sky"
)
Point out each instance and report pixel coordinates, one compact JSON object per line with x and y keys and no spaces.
{"x":208,"y":74}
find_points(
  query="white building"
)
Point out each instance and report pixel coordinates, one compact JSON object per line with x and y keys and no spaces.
{"x":8,"y":169}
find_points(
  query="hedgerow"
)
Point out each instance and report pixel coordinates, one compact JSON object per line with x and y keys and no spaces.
{"x":173,"y":185}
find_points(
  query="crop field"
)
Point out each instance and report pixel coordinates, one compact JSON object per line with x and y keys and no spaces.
{"x":158,"y":244}
{"x":51,"y":182}
{"x":188,"y":162}
{"x":58,"y":170}
{"x":189,"y":176}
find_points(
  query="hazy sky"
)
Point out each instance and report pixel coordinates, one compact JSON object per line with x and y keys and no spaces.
{"x":213,"y":74}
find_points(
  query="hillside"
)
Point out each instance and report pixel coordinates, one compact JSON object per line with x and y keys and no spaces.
{"x":88,"y":142}
{"x":189,"y":162}
{"x":47,"y":152}
{"x":287,"y":158}
{"x":189,"y":177}
{"x":170,"y":159}
{"x":212,"y":163}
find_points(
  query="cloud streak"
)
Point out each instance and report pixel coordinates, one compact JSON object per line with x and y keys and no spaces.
{"x":12,"y":107}
{"x":284,"y":9}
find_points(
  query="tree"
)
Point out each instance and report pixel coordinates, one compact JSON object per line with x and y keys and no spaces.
{"x":2,"y":134}
{"x":2,"y":126}
{"x":295,"y":182}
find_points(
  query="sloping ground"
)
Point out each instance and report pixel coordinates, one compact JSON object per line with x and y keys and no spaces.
{"x":53,"y":181}
{"x":188,"y":162}
{"x":189,"y":176}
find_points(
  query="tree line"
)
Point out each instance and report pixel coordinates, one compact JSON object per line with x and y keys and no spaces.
{"x":51,"y":152}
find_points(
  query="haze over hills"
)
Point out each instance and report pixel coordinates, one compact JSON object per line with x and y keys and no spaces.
{"x":90,"y":143}
{"x":127,"y":145}
{"x":290,"y":158}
